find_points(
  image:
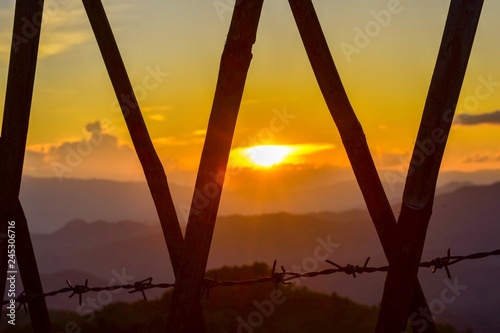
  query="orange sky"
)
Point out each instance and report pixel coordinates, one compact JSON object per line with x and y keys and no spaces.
{"x":172,"y":51}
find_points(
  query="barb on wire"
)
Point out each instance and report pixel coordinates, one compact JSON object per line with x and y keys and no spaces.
{"x":439,"y":263}
{"x":278,"y":278}
{"x":351,"y":269}
{"x":207,"y":285}
{"x":142,"y":285}
{"x":348,"y":269}
{"x":23,"y":300}
{"x":283,"y":277}
{"x":78,"y":290}
{"x":139,"y":286}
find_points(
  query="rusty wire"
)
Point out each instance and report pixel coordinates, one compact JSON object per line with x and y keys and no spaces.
{"x":283,"y":277}
{"x":138,"y":286}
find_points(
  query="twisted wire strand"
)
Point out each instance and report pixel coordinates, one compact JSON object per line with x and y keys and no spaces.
{"x":276,"y":277}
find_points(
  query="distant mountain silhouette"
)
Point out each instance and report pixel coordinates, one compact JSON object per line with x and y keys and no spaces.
{"x":50,"y":203}
{"x":465,"y":220}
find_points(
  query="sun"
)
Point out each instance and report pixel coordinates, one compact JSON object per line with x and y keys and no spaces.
{"x":267,"y":156}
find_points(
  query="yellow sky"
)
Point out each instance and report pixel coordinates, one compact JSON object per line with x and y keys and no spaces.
{"x":172,"y":51}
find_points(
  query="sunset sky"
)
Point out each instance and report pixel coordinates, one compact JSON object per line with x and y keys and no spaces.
{"x":172,"y":49}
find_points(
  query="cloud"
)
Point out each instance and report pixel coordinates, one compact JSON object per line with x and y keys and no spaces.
{"x":170,"y":141}
{"x":196,"y":137}
{"x":482,"y":157}
{"x":156,"y":112}
{"x":307,"y":149}
{"x":94,"y":127}
{"x":157,"y":108}
{"x":65,"y":25}
{"x":478,"y":119}
{"x":200,"y":132}
{"x":392,"y":158}
{"x":156,"y":117}
{"x":97,"y":155}
{"x":59,"y":41}
{"x":35,"y":163}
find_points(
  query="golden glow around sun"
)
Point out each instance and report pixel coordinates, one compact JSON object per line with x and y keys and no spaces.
{"x":271,"y":156}
{"x":267,"y":155}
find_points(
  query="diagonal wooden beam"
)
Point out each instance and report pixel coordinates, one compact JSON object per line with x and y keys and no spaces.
{"x":19,"y":94}
{"x":350,"y":131}
{"x":150,"y":162}
{"x":29,"y":273}
{"x":233,"y":70}
{"x":418,"y":197}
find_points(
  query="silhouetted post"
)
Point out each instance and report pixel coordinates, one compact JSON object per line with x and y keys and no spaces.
{"x":233,"y":70}
{"x":20,"y":82}
{"x":350,"y":131}
{"x":150,"y":162}
{"x":418,"y":197}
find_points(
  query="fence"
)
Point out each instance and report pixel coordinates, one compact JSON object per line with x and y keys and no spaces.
{"x":276,"y":277}
{"x":402,"y":239}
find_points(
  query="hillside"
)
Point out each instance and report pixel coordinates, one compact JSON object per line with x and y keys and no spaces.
{"x":258,"y":308}
{"x":107,"y":200}
{"x":465,"y":220}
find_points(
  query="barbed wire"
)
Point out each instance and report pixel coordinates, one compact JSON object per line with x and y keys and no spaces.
{"x":285,"y":277}
{"x":276,"y":277}
{"x":138,"y":286}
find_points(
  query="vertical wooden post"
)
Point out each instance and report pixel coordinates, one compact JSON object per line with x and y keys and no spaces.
{"x":350,"y":131}
{"x":29,"y":273}
{"x":233,"y":70}
{"x":418,"y":197}
{"x":19,"y":94}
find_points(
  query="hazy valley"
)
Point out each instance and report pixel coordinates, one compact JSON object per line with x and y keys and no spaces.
{"x":465,"y":219}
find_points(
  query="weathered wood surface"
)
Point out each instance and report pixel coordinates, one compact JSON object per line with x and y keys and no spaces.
{"x":19,"y":94}
{"x":418,"y":196}
{"x":351,"y":133}
{"x":150,"y":162}
{"x":234,"y":65}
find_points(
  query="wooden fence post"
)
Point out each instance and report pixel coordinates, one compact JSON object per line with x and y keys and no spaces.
{"x":233,"y":70}
{"x":19,"y":94}
{"x":350,"y":131}
{"x":150,"y":162}
{"x":418,"y":197}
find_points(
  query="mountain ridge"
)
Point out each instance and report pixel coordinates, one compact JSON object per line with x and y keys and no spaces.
{"x":49,"y":203}
{"x":465,"y":220}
